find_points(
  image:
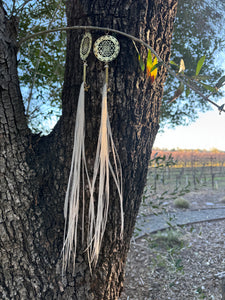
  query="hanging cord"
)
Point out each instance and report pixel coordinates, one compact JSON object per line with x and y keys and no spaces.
{"x":86,"y":87}
{"x":107,"y":75}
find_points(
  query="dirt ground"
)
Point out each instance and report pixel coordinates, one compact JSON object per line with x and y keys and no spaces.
{"x":187,"y":271}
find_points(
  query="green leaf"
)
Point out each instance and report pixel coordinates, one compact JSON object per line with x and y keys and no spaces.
{"x":208,"y":87}
{"x":188,"y":91}
{"x":199,"y":65}
{"x":149,"y":60}
{"x":220,"y":83}
{"x":141,"y":63}
{"x":173,"y":63}
{"x":177,"y":93}
{"x":138,"y":229}
{"x":159,"y":64}
{"x":201,"y":77}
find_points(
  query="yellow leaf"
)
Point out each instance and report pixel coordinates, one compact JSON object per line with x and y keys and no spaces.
{"x":154,"y":72}
{"x":149,"y":63}
{"x":151,"y":71}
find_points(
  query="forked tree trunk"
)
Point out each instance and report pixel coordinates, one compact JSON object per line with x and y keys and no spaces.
{"x":34,"y":170}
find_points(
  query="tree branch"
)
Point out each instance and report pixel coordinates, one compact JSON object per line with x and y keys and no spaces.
{"x":32,"y":36}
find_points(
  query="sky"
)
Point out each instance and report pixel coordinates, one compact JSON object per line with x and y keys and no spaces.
{"x":207,"y":133}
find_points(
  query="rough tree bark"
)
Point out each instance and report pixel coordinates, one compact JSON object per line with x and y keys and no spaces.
{"x":34,"y":170}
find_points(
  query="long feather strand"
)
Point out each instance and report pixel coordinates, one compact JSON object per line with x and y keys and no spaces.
{"x":103,"y":167}
{"x":78,"y":169}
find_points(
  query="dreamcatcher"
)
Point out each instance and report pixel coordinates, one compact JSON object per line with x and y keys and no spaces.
{"x":106,"y":49}
{"x":78,"y":169}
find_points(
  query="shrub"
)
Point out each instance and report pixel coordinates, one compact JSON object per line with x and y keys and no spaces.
{"x":181,"y":203}
{"x":167,"y":239}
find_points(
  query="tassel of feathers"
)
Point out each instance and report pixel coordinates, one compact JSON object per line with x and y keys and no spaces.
{"x":102,"y":169}
{"x":76,"y":177}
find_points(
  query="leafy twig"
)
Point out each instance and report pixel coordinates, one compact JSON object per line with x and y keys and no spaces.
{"x":39,"y":59}
{"x":133,"y":38}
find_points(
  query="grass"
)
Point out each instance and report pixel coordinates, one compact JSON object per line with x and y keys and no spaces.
{"x":166,"y":246}
{"x":167,"y":239}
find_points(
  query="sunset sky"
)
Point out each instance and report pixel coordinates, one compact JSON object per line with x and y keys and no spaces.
{"x":207,"y":132}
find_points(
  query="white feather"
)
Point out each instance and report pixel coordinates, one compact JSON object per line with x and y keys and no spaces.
{"x":78,"y":169}
{"x":103,"y":168}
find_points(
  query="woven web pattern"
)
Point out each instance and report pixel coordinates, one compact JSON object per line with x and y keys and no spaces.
{"x":106,"y":48}
{"x":85,"y":46}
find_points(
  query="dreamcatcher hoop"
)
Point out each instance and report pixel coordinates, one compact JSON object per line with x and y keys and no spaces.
{"x":106,"y":48}
{"x":85,"y":46}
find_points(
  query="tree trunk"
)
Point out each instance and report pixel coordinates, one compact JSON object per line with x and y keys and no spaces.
{"x":34,"y":170}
